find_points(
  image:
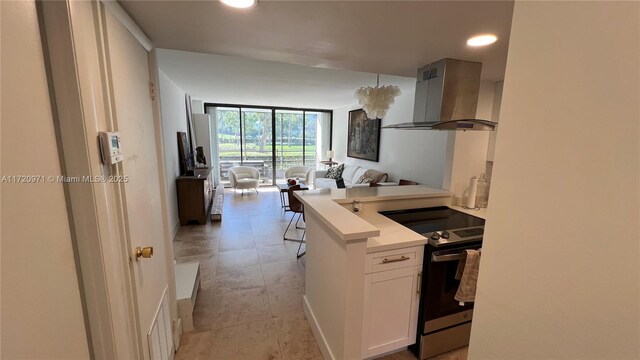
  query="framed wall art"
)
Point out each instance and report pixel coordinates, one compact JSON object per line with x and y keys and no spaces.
{"x":363,"y":136}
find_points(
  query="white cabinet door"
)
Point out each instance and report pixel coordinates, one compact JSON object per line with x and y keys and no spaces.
{"x":390,"y":310}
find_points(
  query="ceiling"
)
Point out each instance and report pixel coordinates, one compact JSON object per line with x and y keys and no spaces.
{"x":233,"y":80}
{"x":388,"y":37}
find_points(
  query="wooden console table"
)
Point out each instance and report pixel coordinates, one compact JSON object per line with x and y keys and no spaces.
{"x":194,"y":196}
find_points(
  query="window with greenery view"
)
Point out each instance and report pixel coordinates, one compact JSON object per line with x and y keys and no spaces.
{"x":246,"y":137}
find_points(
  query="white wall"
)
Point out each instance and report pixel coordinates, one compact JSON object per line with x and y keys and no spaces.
{"x":467,"y":150}
{"x":433,"y":158}
{"x":41,"y":305}
{"x":174,"y":119}
{"x":559,"y":276}
{"x":416,"y":155}
{"x":495,"y":116}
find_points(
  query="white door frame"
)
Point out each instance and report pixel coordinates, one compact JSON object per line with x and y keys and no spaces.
{"x":154,"y":77}
{"x":78,"y":71}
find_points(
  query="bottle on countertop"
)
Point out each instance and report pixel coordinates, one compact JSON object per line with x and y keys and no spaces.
{"x":473,"y":193}
{"x":482,"y":195}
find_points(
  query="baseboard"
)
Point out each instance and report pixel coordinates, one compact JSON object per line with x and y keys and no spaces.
{"x":390,"y":352}
{"x":175,"y":229}
{"x":177,"y":333}
{"x":317,"y":332}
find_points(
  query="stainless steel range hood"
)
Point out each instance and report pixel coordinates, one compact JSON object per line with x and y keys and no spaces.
{"x":447,"y":98}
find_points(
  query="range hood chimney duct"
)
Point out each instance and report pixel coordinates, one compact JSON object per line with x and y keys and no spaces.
{"x":447,"y":98}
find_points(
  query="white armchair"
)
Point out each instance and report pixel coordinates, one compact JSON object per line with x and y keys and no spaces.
{"x":302,"y":172}
{"x":244,"y":177}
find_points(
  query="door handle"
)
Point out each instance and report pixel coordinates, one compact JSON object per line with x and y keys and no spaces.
{"x":144,"y":252}
{"x":419,"y":287}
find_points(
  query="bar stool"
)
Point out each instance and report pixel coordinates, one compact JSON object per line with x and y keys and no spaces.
{"x":297,"y":208}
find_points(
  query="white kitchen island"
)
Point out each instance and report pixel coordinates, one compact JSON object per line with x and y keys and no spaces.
{"x":362,"y":273}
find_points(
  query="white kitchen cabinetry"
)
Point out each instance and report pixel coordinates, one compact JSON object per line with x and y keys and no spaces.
{"x":392,"y":294}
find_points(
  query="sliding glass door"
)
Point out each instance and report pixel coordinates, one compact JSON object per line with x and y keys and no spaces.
{"x":257,"y":142}
{"x":289,"y":133}
{"x":229,"y":140}
{"x":269,"y":139}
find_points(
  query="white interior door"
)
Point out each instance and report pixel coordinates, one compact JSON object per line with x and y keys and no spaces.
{"x":142,"y":193}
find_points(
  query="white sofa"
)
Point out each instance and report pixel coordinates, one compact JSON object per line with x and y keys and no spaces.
{"x":350,"y":175}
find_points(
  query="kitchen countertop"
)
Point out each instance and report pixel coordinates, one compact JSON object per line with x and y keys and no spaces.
{"x":481,"y":213}
{"x":392,"y":235}
{"x":368,"y":194}
{"x":381,"y":232}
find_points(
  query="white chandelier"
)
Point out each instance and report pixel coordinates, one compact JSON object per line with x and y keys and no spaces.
{"x":375,"y":101}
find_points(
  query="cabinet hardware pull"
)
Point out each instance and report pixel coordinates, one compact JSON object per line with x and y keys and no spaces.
{"x":419,"y":288}
{"x":402,"y":258}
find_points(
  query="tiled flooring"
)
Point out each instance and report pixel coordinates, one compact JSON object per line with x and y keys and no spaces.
{"x":250,"y":304}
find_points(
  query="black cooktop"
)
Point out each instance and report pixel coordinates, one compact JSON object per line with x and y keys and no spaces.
{"x":427,"y":220}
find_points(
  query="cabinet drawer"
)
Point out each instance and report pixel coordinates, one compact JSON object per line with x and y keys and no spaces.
{"x":394,"y":259}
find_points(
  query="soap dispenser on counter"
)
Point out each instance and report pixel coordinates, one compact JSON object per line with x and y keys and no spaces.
{"x":482,"y":194}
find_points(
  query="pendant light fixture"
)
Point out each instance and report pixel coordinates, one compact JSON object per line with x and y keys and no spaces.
{"x":375,"y":101}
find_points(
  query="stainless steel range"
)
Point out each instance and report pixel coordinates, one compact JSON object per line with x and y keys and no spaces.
{"x":443,"y":323}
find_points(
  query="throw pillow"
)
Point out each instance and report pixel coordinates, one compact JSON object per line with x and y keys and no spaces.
{"x":350,"y":172}
{"x":335,"y":172}
{"x":365,"y":180}
{"x":372,"y":176}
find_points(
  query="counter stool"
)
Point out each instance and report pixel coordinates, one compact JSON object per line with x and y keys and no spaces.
{"x":297,"y":208}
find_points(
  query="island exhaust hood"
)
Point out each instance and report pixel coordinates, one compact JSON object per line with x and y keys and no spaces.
{"x":447,"y":98}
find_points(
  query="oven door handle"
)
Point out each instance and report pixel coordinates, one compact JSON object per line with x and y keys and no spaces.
{"x":448,"y":257}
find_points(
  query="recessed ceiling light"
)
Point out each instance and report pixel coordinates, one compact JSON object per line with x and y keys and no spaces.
{"x":240,"y":4}
{"x":482,"y":40}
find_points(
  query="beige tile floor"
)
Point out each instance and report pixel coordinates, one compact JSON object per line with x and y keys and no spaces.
{"x":250,"y":304}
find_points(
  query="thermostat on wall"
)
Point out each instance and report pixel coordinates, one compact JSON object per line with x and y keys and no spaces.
{"x":110,"y":147}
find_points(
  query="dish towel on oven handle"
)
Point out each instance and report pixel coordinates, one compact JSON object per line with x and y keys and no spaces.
{"x":469,"y":279}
